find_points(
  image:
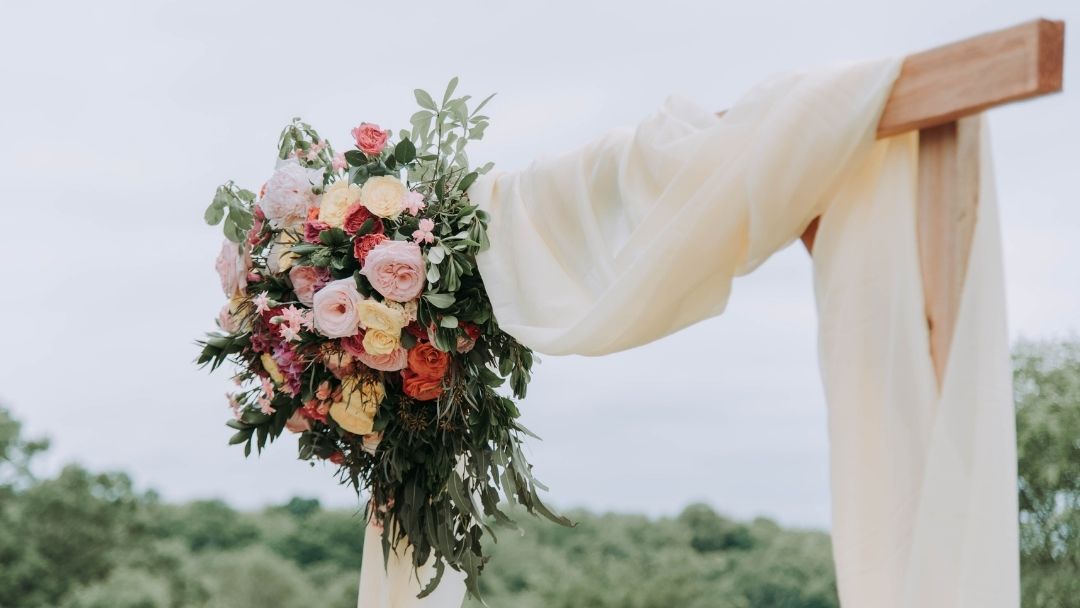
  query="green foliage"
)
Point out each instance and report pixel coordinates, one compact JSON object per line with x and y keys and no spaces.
{"x":84,"y":540}
{"x":1047,"y":381}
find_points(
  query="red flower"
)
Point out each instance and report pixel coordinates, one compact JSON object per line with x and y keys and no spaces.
{"x":363,"y":245}
{"x":428,"y":361}
{"x":420,"y":387}
{"x":356,"y":215}
{"x":337,"y":458}
{"x":312,"y":230}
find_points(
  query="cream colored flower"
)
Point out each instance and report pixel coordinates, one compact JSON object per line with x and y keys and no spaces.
{"x":407,"y":309}
{"x":384,"y":196}
{"x":378,"y":342}
{"x":360,"y":399}
{"x":280,"y":258}
{"x":336,"y":201}
{"x":272,"y":368}
{"x":376,"y":315}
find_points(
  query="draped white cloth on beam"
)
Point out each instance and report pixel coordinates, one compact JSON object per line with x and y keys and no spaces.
{"x":640,"y":234}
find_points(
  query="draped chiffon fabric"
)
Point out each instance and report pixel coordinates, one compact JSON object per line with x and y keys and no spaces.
{"x":640,"y":234}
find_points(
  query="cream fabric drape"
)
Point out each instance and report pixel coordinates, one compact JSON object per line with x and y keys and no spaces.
{"x":397,"y":585}
{"x":640,"y":234}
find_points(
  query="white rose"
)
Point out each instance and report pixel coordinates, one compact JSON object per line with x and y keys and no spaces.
{"x":384,"y":196}
{"x":289,"y":193}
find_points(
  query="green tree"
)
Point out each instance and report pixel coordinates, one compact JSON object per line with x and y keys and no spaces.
{"x":1047,"y":384}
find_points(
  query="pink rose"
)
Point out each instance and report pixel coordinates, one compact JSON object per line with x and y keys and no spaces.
{"x":396,"y":270}
{"x":227,"y":320}
{"x":306,"y":280}
{"x":370,"y":138}
{"x":232,"y":268}
{"x":335,"y":305}
{"x":297,"y":423}
{"x":312,"y":230}
{"x":395,"y":360}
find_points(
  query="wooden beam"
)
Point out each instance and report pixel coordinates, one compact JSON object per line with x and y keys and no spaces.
{"x":938,"y":86}
{"x":939,"y":92}
{"x":964,"y":78}
{"x":946,"y":208}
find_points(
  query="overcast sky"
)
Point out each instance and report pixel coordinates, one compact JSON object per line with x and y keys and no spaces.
{"x":122,"y":117}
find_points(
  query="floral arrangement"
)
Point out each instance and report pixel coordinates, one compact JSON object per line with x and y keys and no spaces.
{"x":357,"y":320}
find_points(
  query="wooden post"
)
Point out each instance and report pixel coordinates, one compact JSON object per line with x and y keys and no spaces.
{"x":946,"y":209}
{"x":934,"y":93}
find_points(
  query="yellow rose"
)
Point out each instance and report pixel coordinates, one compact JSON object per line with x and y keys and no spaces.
{"x":336,"y":201}
{"x":384,"y":196}
{"x":272,"y":368}
{"x":376,"y":315}
{"x":360,"y":399}
{"x":280,"y":258}
{"x":378,"y":342}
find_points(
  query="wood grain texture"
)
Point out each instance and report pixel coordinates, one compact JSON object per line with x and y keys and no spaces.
{"x":946,"y":211}
{"x":963,"y":78}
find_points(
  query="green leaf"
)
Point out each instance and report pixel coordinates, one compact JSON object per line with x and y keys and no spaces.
{"x":449,"y":321}
{"x":450,"y":89}
{"x":440,"y":300}
{"x":215,"y":212}
{"x":425,"y":100}
{"x":405,"y":151}
{"x":356,"y":158}
{"x":467,"y":181}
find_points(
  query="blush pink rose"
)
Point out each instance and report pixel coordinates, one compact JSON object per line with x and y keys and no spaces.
{"x":297,"y":423}
{"x":232,"y":268}
{"x":335,"y":306}
{"x":396,"y":270}
{"x":289,"y":193}
{"x":370,"y":138}
{"x":395,"y":360}
{"x":306,"y":280}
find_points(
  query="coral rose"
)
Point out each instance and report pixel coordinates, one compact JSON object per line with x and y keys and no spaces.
{"x":428,"y":361}
{"x":396,"y":270}
{"x":420,"y":387}
{"x":384,"y":196}
{"x":370,"y":138}
{"x":363,"y":245}
{"x":335,"y":307}
{"x":336,"y":201}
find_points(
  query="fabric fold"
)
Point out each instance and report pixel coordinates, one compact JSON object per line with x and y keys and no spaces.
{"x":640,"y":234}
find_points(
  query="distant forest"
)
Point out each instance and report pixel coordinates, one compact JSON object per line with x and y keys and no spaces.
{"x":89,"y":540}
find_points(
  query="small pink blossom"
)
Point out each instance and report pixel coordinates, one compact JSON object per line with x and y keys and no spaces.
{"x":323,"y":392}
{"x":414,"y":202}
{"x":338,"y":162}
{"x":261,"y":302}
{"x":423,"y":233}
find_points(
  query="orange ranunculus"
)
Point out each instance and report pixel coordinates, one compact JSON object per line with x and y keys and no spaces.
{"x":427,"y":361}
{"x":420,"y":387}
